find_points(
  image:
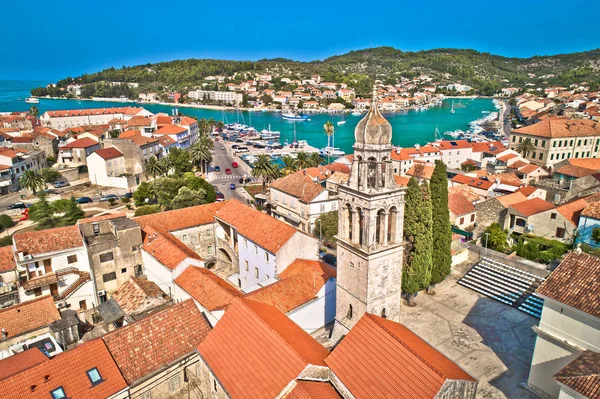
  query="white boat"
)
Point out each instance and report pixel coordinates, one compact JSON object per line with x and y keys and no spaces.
{"x":331,"y":152}
{"x":356,"y":113}
{"x":268,"y":134}
{"x":342,"y":122}
{"x":452,"y":108}
{"x":292,"y":116}
{"x":32,"y":100}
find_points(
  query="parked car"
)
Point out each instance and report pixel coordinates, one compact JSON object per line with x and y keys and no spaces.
{"x":228,"y":171}
{"x":235,"y":165}
{"x":234,"y":146}
{"x":60,"y":184}
{"x":220,"y":197}
{"x":330,"y":260}
{"x":244,"y":180}
{"x":108,"y":197}
{"x":223,"y":147}
{"x":17,"y":205}
{"x":217,"y":168}
{"x":84,"y":200}
{"x":127,"y":195}
{"x":232,"y":186}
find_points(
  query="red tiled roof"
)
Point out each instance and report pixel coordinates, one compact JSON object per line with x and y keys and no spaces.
{"x":421,"y":170}
{"x":532,"y":206}
{"x":298,"y":185}
{"x":170,"y":129}
{"x":459,"y":204}
{"x":46,"y":241}
{"x":446,"y":145}
{"x":575,"y":282}
{"x":211,"y":291}
{"x":506,"y":178}
{"x":7,"y":259}
{"x":156,"y":341}
{"x":100,"y":218}
{"x":166,"y":141}
{"x":162,"y":120}
{"x":527,"y":190}
{"x":181,"y":218}
{"x":81,"y":143}
{"x":401,"y":180}
{"x":312,"y":390}
{"x":108,"y":153}
{"x":28,"y":316}
{"x":592,"y":210}
{"x":187,"y":121}
{"x":558,"y":127}
{"x":20,"y":362}
{"x":474,"y":182}
{"x":69,"y":371}
{"x":142,"y":140}
{"x":94,"y":111}
{"x":167,"y":249}
{"x":255,"y":350}
{"x":582,"y":375}
{"x":134,"y":293}
{"x":511,"y":199}
{"x":299,"y":283}
{"x":507,"y":157}
{"x":270,"y":233}
{"x":380,"y":358}
{"x":571,"y":210}
{"x":129,"y":133}
{"x":139,"y":121}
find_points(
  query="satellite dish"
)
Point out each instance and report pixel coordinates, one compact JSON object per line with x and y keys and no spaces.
{"x":529,"y":227}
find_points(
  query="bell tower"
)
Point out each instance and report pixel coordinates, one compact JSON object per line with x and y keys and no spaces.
{"x":370,"y":229}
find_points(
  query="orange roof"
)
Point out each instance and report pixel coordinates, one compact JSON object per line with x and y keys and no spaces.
{"x":512,"y":198}
{"x":266,"y":231}
{"x":141,"y":141}
{"x":129,"y":133}
{"x":20,"y":362}
{"x":163,"y":119}
{"x":7,"y":259}
{"x":139,"y":121}
{"x":485,"y":146}
{"x":507,"y":157}
{"x":211,"y":291}
{"x":108,"y":153}
{"x":81,"y":143}
{"x":299,"y":283}
{"x":28,"y":316}
{"x":557,"y":128}
{"x":575,"y":282}
{"x":459,"y":204}
{"x":69,"y":371}
{"x":187,"y":121}
{"x":527,"y":190}
{"x":145,"y":346}
{"x":529,"y":169}
{"x":582,"y":375}
{"x":134,"y":292}
{"x":532,"y":207}
{"x":446,"y":145}
{"x":181,"y":218}
{"x":166,"y":141}
{"x":255,"y":350}
{"x":572,"y":209}
{"x":380,"y":358}
{"x":507,"y":178}
{"x":46,"y":241}
{"x":401,"y":180}
{"x":170,"y":129}
{"x":421,"y":170}
{"x":404,"y":154}
{"x":474,"y":182}
{"x":167,"y":249}
{"x":312,"y":390}
{"x":94,"y":111}
{"x":298,"y":185}
{"x":592,"y":210}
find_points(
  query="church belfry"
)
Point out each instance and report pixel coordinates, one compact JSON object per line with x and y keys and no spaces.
{"x":370,"y":229}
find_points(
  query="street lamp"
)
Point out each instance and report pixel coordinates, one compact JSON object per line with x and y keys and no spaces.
{"x":486,"y":242}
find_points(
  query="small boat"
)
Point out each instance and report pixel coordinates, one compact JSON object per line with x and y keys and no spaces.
{"x":356,"y":113}
{"x":331,"y":152}
{"x":32,"y":100}
{"x":342,"y":122}
{"x":268,"y":134}
{"x":291,"y":116}
{"x":452,"y":108}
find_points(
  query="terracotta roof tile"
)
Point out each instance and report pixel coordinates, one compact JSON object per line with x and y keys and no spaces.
{"x":380,"y":358}
{"x":139,"y":121}
{"x":21,"y":361}
{"x":81,"y":143}
{"x":7,"y":259}
{"x":421,"y":170}
{"x":211,"y":291}
{"x":401,"y":181}
{"x":166,"y":141}
{"x":582,"y":375}
{"x":133,"y":294}
{"x":506,"y":178}
{"x":459,"y":204}
{"x":169,"y":130}
{"x":466,"y":191}
{"x":94,"y":111}
{"x":511,"y":199}
{"x":69,"y":371}
{"x":592,"y":210}
{"x":28,"y":316}
{"x":527,"y":190}
{"x":298,"y":185}
{"x":167,"y":249}
{"x":474,"y":182}
{"x":270,"y":233}
{"x":141,"y":141}
{"x":129,"y":133}
{"x":558,"y":127}
{"x":299,"y":283}
{"x":255,"y":350}
{"x":108,"y":153}
{"x":181,"y":218}
{"x":156,"y":341}
{"x":575,"y":282}
{"x":446,"y":145}
{"x":532,"y":207}
{"x":46,"y":241}
{"x":312,"y":390}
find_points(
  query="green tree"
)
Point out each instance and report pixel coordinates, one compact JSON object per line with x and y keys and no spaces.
{"x":200,"y":153}
{"x":302,"y":160}
{"x":42,"y":213}
{"x":329,"y":129}
{"x":33,"y":181}
{"x":196,"y":183}
{"x":288,"y":165}
{"x":417,"y":231}
{"x":147,"y":210}
{"x":144,"y":192}
{"x":525,"y":147}
{"x":187,"y":197}
{"x":166,"y":189}
{"x":166,"y":166}
{"x":442,"y":233}
{"x":6,"y":222}
{"x":153,"y":167}
{"x":315,"y":159}
{"x":6,"y":241}
{"x":496,"y":238}
{"x":180,"y":161}
{"x":34,"y":111}
{"x":50,"y":175}
{"x":73,"y":213}
{"x":326,"y":227}
{"x":265,"y":170}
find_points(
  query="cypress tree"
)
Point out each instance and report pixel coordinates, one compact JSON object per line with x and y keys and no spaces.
{"x":417,"y":230}
{"x":442,"y":234}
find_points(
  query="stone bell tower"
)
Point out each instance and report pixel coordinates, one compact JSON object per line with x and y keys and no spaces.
{"x":370,"y":229}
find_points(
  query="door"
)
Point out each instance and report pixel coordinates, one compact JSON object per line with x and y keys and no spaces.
{"x":54,"y":289}
{"x":47,"y":266}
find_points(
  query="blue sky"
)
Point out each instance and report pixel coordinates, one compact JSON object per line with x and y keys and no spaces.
{"x":52,"y":39}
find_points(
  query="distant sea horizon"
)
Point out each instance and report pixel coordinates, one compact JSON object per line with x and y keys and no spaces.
{"x":409,"y":127}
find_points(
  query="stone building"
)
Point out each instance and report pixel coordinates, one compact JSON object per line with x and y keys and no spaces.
{"x":370,"y":229}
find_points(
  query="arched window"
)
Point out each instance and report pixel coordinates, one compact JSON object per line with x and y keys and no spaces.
{"x":383,"y":170}
{"x":349,"y":315}
{"x":348,"y":221}
{"x":379,"y":232}
{"x":392,"y":224}
{"x":383,"y":313}
{"x":372,"y":173}
{"x":361,"y":226}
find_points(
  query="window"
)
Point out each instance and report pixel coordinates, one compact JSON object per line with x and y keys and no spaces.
{"x":571,"y":143}
{"x":106,"y":257}
{"x":246,"y":264}
{"x":553,"y":215}
{"x":349,"y":315}
{"x":94,"y":376}
{"x":514,"y":138}
{"x":215,"y":385}
{"x":472,"y":217}
{"x":543,"y":143}
{"x":383,"y":315}
{"x":245,"y":243}
{"x":536,"y":142}
{"x":534,"y":155}
{"x":58,"y":393}
{"x":109,"y":277}
{"x":585,"y":142}
{"x":96,"y":228}
{"x":267,"y":257}
{"x":255,"y":250}
{"x":293,"y":203}
{"x":184,"y":238}
{"x":174,"y":384}
{"x":551,"y":157}
{"x":302,"y":212}
{"x":576,"y":155}
{"x":72,"y":259}
{"x":541,"y":155}
{"x":560,"y":232}
{"x":256,"y":272}
{"x":578,"y":143}
{"x":462,"y":221}
{"x":124,"y":270}
{"x":554,"y":144}
{"x":209,"y":250}
{"x":322,"y":207}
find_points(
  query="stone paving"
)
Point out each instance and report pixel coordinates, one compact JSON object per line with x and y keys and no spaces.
{"x":491,"y":341}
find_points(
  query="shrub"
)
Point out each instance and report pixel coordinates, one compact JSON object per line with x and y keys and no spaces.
{"x":50,"y":175}
{"x":147,"y":210}
{"x":6,"y":241}
{"x":6,"y":222}
{"x":540,"y":249}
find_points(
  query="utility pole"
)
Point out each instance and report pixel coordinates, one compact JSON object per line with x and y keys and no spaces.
{"x":486,"y":243}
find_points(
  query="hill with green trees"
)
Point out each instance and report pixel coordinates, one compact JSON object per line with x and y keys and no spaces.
{"x":484,"y":71}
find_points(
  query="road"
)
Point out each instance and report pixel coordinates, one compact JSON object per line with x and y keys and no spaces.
{"x":223,"y":160}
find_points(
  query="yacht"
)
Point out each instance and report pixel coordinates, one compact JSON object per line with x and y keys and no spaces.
{"x":356,"y":113}
{"x":291,"y":116}
{"x":452,"y":108}
{"x":32,"y":100}
{"x":331,"y":152}
{"x":268,"y":134}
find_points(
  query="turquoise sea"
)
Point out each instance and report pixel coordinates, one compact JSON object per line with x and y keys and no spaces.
{"x":409,"y":128}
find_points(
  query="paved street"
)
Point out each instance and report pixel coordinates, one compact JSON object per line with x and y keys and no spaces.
{"x":222,"y":180}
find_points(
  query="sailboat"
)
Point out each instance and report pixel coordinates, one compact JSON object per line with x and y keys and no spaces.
{"x":331,"y":150}
{"x":437,"y":136}
{"x":342,"y":122}
{"x":452,"y":108}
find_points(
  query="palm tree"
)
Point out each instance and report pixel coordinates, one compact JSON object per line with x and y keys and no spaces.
{"x":154,"y":167}
{"x":34,"y":111}
{"x":264,"y":169}
{"x":525,"y":147}
{"x":329,"y":129}
{"x":165,"y":165}
{"x":288,"y":166}
{"x":315,"y":159}
{"x":302,"y":160}
{"x":32,"y":180}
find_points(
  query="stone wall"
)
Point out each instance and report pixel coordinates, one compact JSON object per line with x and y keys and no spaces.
{"x":458,"y":389}
{"x":488,"y":212}
{"x":132,"y":153}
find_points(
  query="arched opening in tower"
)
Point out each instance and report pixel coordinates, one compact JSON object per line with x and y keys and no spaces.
{"x":392,"y":224}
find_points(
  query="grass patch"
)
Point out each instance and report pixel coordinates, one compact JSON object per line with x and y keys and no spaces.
{"x":253,"y":189}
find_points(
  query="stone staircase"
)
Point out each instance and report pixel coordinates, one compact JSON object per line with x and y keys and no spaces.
{"x":83,"y":277}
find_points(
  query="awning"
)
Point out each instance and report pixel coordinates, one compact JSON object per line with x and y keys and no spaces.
{"x":463,"y":233}
{"x":4,"y":183}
